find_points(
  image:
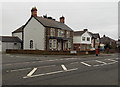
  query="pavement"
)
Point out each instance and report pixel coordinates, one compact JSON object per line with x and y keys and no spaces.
{"x":21,"y":69}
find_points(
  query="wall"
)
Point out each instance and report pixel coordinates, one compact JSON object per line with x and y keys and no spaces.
{"x":18,"y":35}
{"x":10,"y":45}
{"x":36,"y":32}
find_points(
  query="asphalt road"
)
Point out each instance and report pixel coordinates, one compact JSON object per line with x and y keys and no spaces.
{"x":18,"y":69}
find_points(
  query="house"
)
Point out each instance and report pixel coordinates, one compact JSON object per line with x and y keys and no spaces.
{"x":9,"y":42}
{"x":45,"y":33}
{"x":107,"y":42}
{"x":82,"y":40}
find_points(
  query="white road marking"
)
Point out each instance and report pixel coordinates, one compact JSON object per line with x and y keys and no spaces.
{"x":64,"y":68}
{"x":112,"y":63}
{"x":100,"y":62}
{"x":39,"y":61}
{"x":18,"y":70}
{"x":30,"y":74}
{"x":50,"y":73}
{"x":85,"y":64}
{"x":15,"y":70}
{"x":112,"y":60}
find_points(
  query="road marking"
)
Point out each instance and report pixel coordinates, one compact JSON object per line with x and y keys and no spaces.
{"x":18,"y":70}
{"x":112,"y":60}
{"x":64,"y":68}
{"x":15,"y":70}
{"x":100,"y":62}
{"x":85,"y":64}
{"x":112,"y":63}
{"x":30,"y":74}
{"x":50,"y":73}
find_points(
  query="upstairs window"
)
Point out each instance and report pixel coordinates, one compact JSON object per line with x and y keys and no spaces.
{"x":52,"y":32}
{"x":67,"y":34}
{"x":83,"y":38}
{"x":60,"y":33}
{"x":88,"y":38}
{"x":31,"y":43}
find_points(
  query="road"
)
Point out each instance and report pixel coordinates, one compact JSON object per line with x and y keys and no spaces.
{"x":18,"y":69}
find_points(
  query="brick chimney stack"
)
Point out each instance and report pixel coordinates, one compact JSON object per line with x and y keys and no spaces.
{"x":62,"y":19}
{"x":34,"y":12}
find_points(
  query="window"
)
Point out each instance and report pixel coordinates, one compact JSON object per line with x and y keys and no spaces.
{"x":52,"y":43}
{"x":88,"y":39}
{"x":15,"y":43}
{"x":83,"y":38}
{"x":60,"y":33}
{"x":69,"y":44}
{"x":52,"y":32}
{"x":31,"y":43}
{"x":67,"y":34}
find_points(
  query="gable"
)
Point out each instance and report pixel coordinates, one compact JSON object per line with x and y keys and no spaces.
{"x":86,"y":34}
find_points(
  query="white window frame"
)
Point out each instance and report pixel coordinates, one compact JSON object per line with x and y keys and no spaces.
{"x":88,"y":38}
{"x":83,"y":38}
{"x":61,"y":33}
{"x":52,"y":43}
{"x":68,"y":34}
{"x":52,"y":32}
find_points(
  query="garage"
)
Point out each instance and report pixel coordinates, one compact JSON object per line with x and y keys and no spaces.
{"x":9,"y":42}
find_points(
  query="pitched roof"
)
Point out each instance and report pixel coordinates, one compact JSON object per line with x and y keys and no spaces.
{"x":52,"y":23}
{"x":95,"y":35}
{"x":9,"y":39}
{"x":19,"y":29}
{"x":106,"y":40}
{"x":78,"y":33}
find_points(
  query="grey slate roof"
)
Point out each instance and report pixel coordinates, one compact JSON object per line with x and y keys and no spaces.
{"x":47,"y":23}
{"x":78,"y":33}
{"x":19,"y":29}
{"x":10,"y":39}
{"x":106,"y":40}
{"x":52,"y":23}
{"x":95,"y":35}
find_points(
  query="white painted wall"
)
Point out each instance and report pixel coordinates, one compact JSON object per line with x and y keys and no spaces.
{"x":78,"y":39}
{"x":36,"y":32}
{"x":18,"y":35}
{"x":10,"y":45}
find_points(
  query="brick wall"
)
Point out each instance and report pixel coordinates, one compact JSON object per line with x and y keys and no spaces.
{"x":48,"y":52}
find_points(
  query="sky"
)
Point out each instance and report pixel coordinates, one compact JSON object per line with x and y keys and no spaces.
{"x":97,"y":17}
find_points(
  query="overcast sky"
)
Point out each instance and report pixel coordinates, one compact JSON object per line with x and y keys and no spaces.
{"x":97,"y":17}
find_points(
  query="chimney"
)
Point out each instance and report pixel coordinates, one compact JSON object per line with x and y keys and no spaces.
{"x":85,"y":29}
{"x":62,"y":19}
{"x":34,"y":12}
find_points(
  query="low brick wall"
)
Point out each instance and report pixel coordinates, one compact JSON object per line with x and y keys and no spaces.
{"x":41,"y":52}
